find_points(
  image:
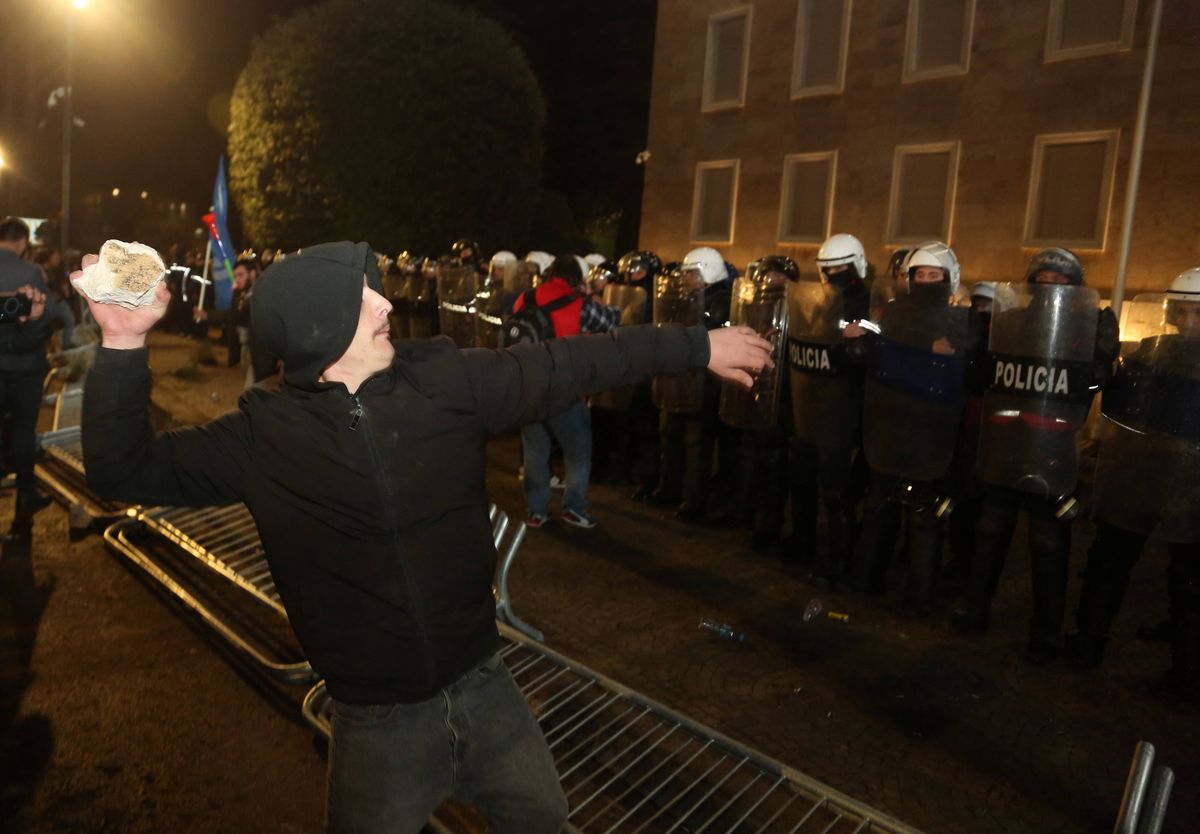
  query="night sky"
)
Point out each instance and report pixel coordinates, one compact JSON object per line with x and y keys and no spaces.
{"x":153,"y":79}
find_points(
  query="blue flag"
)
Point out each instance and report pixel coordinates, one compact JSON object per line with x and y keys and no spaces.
{"x":218,"y":230}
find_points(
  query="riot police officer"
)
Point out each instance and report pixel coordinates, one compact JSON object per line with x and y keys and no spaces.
{"x":826,"y":391}
{"x":1050,"y":352}
{"x":699,"y":291}
{"x":638,"y":270}
{"x":1146,"y":485}
{"x":913,"y":406}
{"x":763,"y":413}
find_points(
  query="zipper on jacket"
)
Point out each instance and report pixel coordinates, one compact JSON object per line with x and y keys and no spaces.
{"x":359,"y":416}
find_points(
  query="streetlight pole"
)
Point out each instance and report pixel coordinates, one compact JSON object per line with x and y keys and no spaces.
{"x":64,"y":233}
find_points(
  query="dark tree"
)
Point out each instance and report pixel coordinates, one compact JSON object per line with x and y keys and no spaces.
{"x":406,"y":123}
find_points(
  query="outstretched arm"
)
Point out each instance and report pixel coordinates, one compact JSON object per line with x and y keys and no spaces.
{"x":532,"y":382}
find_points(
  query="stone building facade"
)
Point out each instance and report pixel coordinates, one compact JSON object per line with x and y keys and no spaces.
{"x":1000,"y":125}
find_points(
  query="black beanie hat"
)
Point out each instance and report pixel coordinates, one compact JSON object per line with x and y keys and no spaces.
{"x":305,"y":308}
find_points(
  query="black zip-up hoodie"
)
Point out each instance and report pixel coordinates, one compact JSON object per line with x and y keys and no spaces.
{"x":371,"y":507}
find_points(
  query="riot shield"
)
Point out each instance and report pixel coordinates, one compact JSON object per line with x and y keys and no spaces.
{"x":761,"y":305}
{"x":456,"y":302}
{"x":916,"y":385}
{"x":1041,"y":381}
{"x":679,"y":299}
{"x":423,"y":307}
{"x":494,"y":302}
{"x":632,"y":301}
{"x":1150,"y":435}
{"x":395,"y":289}
{"x":826,"y":388}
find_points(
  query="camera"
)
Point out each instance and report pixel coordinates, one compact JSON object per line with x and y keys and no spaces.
{"x":13,"y":305}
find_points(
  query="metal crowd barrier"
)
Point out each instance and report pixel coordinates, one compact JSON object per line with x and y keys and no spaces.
{"x":630,"y":764}
{"x":1147,"y":793}
{"x":60,"y":467}
{"x":225,"y":540}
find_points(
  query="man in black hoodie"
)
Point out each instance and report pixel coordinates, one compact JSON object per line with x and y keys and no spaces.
{"x":365,"y":476}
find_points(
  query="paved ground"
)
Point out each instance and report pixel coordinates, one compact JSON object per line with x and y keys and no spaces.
{"x":119,"y":713}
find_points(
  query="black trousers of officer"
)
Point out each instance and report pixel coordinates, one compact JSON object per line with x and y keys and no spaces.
{"x":763,"y":482}
{"x":1049,"y":551}
{"x":1110,"y":561}
{"x":880,"y":526}
{"x":20,"y":402}
{"x":688,"y":443}
{"x":968,"y":502}
{"x":823,"y":474}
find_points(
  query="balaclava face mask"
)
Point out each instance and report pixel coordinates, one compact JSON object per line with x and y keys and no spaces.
{"x":305,"y":308}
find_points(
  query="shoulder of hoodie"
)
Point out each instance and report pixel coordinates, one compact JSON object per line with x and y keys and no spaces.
{"x":433,"y":368}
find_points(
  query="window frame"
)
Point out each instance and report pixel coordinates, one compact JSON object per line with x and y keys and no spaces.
{"x":1112,"y":136}
{"x":1054,"y":26}
{"x":707,"y":105}
{"x":785,"y":188}
{"x":910,"y":73}
{"x":809,"y":91}
{"x":707,"y":165}
{"x":954,"y":148}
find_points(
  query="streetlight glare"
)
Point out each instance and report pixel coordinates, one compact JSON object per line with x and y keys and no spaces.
{"x":2,"y":162}
{"x":79,"y":4}
{"x":116,"y":192}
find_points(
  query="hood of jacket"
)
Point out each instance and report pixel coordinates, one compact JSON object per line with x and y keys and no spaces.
{"x":305,"y":308}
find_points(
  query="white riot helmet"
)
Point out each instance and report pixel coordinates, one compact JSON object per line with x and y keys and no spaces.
{"x":540,"y":259}
{"x":1186,"y":286}
{"x":594,"y":259}
{"x":500,"y":262}
{"x":843,"y":249}
{"x":584,"y":269}
{"x":708,"y":262}
{"x":984,"y":289}
{"x":933,"y":253}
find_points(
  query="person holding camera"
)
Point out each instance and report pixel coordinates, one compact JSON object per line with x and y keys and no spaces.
{"x":23,"y":363}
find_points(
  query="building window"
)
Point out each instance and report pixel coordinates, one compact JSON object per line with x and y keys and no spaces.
{"x":726,"y":59}
{"x":938,"y":39}
{"x":713,"y":201}
{"x":1079,"y":28}
{"x":806,"y":205}
{"x":822,"y":35}
{"x":922,"y":200}
{"x":1070,"y":189}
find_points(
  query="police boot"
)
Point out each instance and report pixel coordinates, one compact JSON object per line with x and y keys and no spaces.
{"x":1105,"y":579}
{"x":1182,"y":683}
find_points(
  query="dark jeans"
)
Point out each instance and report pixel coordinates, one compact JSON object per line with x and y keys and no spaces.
{"x":573,"y":431}
{"x":475,"y":741}
{"x":20,"y":401}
